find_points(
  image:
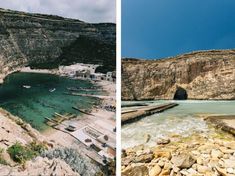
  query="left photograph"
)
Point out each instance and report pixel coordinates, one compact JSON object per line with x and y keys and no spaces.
{"x":58,"y":87}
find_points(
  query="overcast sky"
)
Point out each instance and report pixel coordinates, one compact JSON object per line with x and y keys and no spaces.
{"x":162,"y":28}
{"x":85,"y":10}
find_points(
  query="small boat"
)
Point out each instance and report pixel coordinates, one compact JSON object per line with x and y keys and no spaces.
{"x":71,"y":128}
{"x":52,"y":90}
{"x":26,"y":86}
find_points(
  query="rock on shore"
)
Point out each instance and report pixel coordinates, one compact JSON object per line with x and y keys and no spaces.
{"x":39,"y":166}
{"x":196,"y":155}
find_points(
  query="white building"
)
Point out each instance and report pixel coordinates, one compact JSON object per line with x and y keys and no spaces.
{"x":98,"y":76}
{"x":78,"y":69}
{"x":86,"y":71}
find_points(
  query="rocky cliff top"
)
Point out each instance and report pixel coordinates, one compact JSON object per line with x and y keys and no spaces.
{"x":47,"y":41}
{"x":196,"y":75}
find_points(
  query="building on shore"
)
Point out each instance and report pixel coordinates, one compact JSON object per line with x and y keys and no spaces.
{"x":98,"y":76}
{"x":111,"y":76}
{"x":78,"y":70}
{"x":86,"y":71}
{"x":85,"y":74}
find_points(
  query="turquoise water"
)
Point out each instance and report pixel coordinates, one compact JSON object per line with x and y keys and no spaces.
{"x":35,"y":103}
{"x":183,"y":120}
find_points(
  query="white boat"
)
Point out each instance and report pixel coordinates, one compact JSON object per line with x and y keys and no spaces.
{"x":26,"y":86}
{"x":52,"y":90}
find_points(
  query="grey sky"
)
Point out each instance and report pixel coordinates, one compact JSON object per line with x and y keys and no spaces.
{"x":85,"y":10}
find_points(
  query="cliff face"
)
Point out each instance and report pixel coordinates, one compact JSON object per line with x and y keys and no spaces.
{"x":46,"y":41}
{"x":198,"y":75}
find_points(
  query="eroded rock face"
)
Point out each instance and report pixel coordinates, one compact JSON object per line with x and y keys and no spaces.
{"x":39,"y":166}
{"x":203,"y":75}
{"x":46,"y":41}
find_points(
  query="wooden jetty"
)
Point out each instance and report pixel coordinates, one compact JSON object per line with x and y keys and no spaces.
{"x":137,"y":114}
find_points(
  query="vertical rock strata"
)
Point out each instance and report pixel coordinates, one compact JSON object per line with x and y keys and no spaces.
{"x":202,"y":74}
{"x":45,"y":41}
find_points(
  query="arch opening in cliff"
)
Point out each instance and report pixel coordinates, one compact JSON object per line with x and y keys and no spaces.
{"x":180,"y":94}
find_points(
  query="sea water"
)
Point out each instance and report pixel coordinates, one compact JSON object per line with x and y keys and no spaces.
{"x":183,"y":120}
{"x":34,"y":96}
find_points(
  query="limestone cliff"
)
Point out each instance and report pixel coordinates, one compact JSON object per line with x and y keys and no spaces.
{"x":197,"y":75}
{"x":46,"y":41}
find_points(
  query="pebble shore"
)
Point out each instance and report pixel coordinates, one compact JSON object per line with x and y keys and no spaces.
{"x":195,"y":155}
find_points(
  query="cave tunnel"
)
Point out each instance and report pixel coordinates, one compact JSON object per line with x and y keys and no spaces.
{"x":180,"y":94}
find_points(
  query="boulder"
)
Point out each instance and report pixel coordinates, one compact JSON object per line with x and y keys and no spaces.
{"x":199,"y":160}
{"x":167,"y":166}
{"x":156,"y":170}
{"x":132,"y":150}
{"x":127,"y":160}
{"x":191,"y":171}
{"x":135,"y":171}
{"x":165,"y":172}
{"x":143,"y":158}
{"x":162,"y":154}
{"x":230,"y":170}
{"x":229,"y":163}
{"x":230,"y":145}
{"x":183,"y":160}
{"x":162,"y":141}
{"x":216,"y":153}
{"x":203,"y":169}
{"x":221,"y":171}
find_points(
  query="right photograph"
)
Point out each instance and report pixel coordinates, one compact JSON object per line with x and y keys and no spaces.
{"x":178,"y":88}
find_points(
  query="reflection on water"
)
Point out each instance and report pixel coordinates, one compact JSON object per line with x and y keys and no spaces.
{"x":183,"y":119}
{"x":33,"y":96}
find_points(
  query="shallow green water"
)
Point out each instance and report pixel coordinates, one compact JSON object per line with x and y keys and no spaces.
{"x":35,"y":103}
{"x":182,"y":120}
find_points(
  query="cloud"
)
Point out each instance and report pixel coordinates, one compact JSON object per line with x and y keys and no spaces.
{"x":85,"y":10}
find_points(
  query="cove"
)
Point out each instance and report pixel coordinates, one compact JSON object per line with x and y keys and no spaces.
{"x":182,"y":120}
{"x":34,"y":96}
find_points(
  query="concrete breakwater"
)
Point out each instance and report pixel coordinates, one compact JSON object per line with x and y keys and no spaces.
{"x":132,"y":115}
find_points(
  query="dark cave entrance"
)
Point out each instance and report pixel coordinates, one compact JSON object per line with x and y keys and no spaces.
{"x":180,"y":94}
